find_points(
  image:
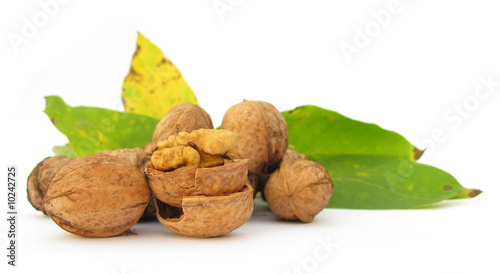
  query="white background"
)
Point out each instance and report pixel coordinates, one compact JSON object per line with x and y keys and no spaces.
{"x":424,"y":64}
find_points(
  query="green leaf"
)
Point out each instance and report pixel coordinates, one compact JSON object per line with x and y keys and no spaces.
{"x":318,"y":132}
{"x":65,"y":150}
{"x":153,"y":84}
{"x":372,"y":168}
{"x":91,"y":130}
{"x":382,"y":182}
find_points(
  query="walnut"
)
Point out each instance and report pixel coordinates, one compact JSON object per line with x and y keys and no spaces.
{"x":299,"y":189}
{"x":262,"y":137}
{"x":200,"y":196}
{"x":41,"y":177}
{"x":183,"y":117}
{"x":97,"y":196}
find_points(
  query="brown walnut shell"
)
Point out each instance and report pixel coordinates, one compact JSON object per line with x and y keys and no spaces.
{"x":291,"y":155}
{"x":40,"y":178}
{"x":138,"y":157}
{"x":97,"y":196}
{"x":135,"y":156}
{"x":299,"y":189}
{"x":262,"y":137}
{"x":150,"y":211}
{"x":294,"y":155}
{"x":207,"y":216}
{"x":170,"y":187}
{"x":181,"y":117}
{"x":149,"y":148}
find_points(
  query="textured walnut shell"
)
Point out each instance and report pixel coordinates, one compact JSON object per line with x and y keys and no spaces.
{"x":208,"y":216}
{"x":170,"y":187}
{"x":181,"y":117}
{"x":135,"y":156}
{"x":40,"y":178}
{"x":299,"y":189}
{"x":149,"y":148}
{"x":97,"y":196}
{"x":262,"y":136}
{"x":291,"y":155}
{"x":294,"y":155}
{"x":138,"y":157}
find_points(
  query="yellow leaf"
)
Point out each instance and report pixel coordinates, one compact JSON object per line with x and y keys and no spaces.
{"x":153,"y":84}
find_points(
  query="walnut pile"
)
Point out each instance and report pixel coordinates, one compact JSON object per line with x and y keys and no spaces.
{"x":196,"y":180}
{"x":294,"y":187}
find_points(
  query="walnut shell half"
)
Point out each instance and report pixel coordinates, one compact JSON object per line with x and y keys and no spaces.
{"x":97,"y":196}
{"x":208,"y":216}
{"x":170,"y":187}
